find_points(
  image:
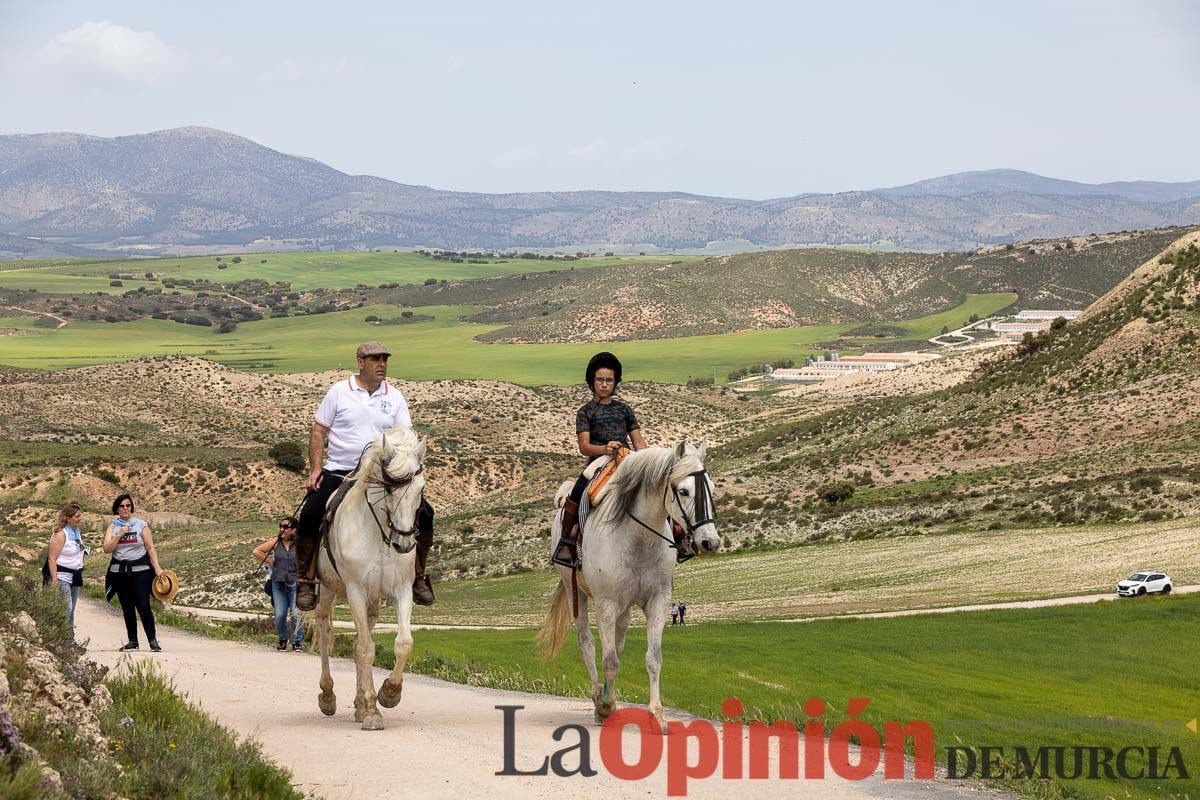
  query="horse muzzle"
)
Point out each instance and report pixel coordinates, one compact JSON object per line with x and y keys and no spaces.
{"x":403,"y":541}
{"x":705,"y":538}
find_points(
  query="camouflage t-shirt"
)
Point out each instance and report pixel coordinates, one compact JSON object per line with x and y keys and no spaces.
{"x":606,"y":422}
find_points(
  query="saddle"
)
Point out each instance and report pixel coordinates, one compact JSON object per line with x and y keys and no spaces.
{"x":335,"y":500}
{"x":331,"y":508}
{"x":602,"y":475}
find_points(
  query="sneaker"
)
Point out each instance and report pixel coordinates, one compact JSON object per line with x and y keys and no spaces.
{"x":125,"y":648}
{"x":297,"y":647}
{"x":282,"y":645}
{"x":155,"y":646}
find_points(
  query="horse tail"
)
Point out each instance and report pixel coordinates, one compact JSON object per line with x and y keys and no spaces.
{"x":558,"y":621}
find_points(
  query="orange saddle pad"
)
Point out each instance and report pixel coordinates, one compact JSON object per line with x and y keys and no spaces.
{"x":604,"y":474}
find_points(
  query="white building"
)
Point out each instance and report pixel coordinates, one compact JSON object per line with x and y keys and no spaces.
{"x":1051,"y":315}
{"x":1019,"y":328}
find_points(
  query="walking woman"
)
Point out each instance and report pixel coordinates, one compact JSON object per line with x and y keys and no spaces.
{"x":132,"y":570}
{"x":282,"y":547}
{"x":66,"y":557}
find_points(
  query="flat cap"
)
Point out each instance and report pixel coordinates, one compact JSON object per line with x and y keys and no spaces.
{"x":371,"y":349}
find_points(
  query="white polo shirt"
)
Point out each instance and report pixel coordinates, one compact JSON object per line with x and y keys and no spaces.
{"x":356,"y":418}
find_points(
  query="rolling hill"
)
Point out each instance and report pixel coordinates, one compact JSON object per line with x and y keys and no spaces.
{"x":207,"y":188}
{"x":788,"y":288}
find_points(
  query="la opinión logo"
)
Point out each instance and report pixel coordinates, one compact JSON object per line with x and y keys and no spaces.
{"x":739,"y":750}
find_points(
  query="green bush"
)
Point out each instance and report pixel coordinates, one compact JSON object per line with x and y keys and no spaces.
{"x":288,"y":455}
{"x":836,"y":492}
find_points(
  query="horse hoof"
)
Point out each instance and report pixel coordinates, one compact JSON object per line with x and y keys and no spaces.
{"x":604,"y":711}
{"x":374,"y":723}
{"x":389,"y":697}
{"x":328,"y":704}
{"x":360,"y":714}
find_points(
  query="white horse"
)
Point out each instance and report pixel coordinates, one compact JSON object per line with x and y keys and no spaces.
{"x":628,"y":558}
{"x":372,"y":541}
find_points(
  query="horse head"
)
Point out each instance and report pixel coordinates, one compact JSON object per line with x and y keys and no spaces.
{"x":398,"y":470}
{"x":692,"y":508}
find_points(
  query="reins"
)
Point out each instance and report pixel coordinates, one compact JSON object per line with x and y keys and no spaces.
{"x":703,"y":503}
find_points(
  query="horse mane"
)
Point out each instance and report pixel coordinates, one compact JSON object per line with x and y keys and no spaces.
{"x":402,"y":441}
{"x":643,"y":471}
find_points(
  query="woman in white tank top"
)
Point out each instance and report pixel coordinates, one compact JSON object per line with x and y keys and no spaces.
{"x":66,"y":557}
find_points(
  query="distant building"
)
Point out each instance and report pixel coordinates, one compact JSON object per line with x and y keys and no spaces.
{"x":1019,"y":328}
{"x":1051,"y":315}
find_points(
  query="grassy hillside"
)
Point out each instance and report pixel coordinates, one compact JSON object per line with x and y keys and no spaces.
{"x":1096,"y":422}
{"x":784,"y":288}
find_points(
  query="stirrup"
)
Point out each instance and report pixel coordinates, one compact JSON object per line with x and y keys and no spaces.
{"x":567,"y":554}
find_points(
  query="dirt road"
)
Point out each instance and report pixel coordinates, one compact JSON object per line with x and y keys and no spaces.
{"x":1073,"y":600}
{"x":442,"y":740}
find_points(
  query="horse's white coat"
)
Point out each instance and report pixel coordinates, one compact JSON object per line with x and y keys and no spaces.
{"x":368,"y":569}
{"x":625,"y":565}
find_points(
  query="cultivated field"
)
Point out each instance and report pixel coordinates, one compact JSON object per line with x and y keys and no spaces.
{"x":441,"y":349}
{"x":303,"y":270}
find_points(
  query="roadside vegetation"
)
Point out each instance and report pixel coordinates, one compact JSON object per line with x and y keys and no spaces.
{"x":106,"y":735}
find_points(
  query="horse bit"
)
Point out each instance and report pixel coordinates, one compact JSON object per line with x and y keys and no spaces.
{"x":685,"y":548}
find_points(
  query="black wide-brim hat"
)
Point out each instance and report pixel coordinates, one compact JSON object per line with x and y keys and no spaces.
{"x":604,"y":360}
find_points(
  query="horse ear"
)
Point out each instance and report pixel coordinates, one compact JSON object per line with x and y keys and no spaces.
{"x":385,"y":444}
{"x":421,"y":448}
{"x":701,"y":452}
{"x":679,"y":451}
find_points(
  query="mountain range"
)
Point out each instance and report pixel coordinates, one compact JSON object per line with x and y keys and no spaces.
{"x":210,"y":189}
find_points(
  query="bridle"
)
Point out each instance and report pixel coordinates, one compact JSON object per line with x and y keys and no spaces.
{"x":685,"y":547}
{"x":400,"y":539}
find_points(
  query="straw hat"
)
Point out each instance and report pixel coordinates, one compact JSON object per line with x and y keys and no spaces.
{"x":166,"y":585}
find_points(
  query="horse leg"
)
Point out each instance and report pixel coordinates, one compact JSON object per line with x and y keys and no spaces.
{"x":656,"y":620}
{"x":365,"y":710}
{"x":389,"y":692}
{"x":587,"y":647}
{"x":606,"y":622}
{"x":326,"y":700}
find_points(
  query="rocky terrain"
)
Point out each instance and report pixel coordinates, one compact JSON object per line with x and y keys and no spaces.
{"x":199,"y":186}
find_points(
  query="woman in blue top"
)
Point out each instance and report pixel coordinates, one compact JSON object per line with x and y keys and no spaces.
{"x":132,"y":570}
{"x":66,"y":557}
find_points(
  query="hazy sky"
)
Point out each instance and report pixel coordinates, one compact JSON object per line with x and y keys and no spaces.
{"x":744,"y":98}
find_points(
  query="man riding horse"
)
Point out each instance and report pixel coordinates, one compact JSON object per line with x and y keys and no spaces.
{"x":353,"y":414}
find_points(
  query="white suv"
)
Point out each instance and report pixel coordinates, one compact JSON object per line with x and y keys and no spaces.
{"x":1143,"y":583}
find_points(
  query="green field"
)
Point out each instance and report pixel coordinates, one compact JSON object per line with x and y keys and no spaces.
{"x":1052,"y":676}
{"x":1061,"y":676}
{"x":303,"y":270}
{"x":441,"y":349}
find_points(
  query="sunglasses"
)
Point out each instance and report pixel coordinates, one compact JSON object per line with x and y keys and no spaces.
{"x":125,"y":505}
{"x":283,"y":526}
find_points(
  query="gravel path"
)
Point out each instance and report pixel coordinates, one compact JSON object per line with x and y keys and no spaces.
{"x":443,"y":739}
